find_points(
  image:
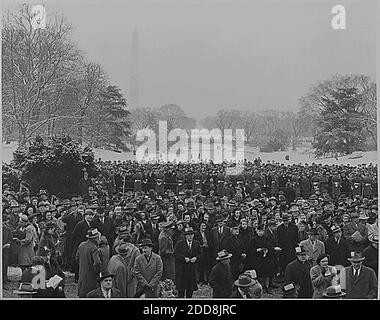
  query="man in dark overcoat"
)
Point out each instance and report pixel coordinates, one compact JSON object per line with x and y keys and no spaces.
{"x":218,"y":236}
{"x":298,"y":272}
{"x":89,"y":262}
{"x":371,"y":254}
{"x":287,"y":236}
{"x":79,"y":235}
{"x":337,"y":248}
{"x":357,"y":280}
{"x":187,"y":253}
{"x":105,"y":225}
{"x":235,"y":247}
{"x":221,"y":277}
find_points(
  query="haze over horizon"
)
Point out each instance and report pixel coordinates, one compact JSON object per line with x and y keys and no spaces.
{"x":212,"y":55}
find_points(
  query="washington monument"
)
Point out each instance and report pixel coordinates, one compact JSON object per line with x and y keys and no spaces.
{"x":135,"y":69}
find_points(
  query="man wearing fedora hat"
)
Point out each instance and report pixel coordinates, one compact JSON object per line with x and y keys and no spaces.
{"x":355,"y":233}
{"x":243,"y":284}
{"x":89,"y":262}
{"x":371,"y":254}
{"x":358,"y":281}
{"x":334,"y":292}
{"x":80,"y":234}
{"x":120,"y":231}
{"x":287,"y":236}
{"x":337,"y":247}
{"x":220,"y":276}
{"x":313,"y":247}
{"x":187,"y":254}
{"x":218,"y":236}
{"x":298,"y":272}
{"x":105,"y":290}
{"x":118,"y":267}
{"x":166,"y":250}
{"x":148,"y":269}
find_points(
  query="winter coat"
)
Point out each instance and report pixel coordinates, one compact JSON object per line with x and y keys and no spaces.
{"x":186,"y":272}
{"x":363,"y":287}
{"x":338,"y":252}
{"x":148,"y":273}
{"x":221,"y":281}
{"x":299,"y":273}
{"x":166,"y":251}
{"x":319,"y":281}
{"x":118,"y":267}
{"x":313,"y":252}
{"x":90,"y":265}
{"x":26,"y":246}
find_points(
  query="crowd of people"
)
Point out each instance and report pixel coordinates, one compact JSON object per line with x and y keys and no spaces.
{"x":166,"y":229}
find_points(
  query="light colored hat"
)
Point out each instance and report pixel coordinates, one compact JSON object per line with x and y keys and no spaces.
{"x":334,"y":292}
{"x":252,"y":273}
{"x":223,"y":254}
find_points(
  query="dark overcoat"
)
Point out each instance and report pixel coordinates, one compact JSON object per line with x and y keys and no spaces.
{"x":186,"y":272}
{"x":299,"y":273}
{"x":221,"y":281}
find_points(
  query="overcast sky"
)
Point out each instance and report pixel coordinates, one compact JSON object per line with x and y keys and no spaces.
{"x":205,"y":55}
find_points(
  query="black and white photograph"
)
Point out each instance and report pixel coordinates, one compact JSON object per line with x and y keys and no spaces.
{"x":190,"y":150}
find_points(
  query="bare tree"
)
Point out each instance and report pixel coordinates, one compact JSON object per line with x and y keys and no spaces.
{"x":35,"y":63}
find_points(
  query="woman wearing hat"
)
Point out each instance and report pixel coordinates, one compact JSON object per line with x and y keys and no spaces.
{"x":187,"y":254}
{"x":25,"y":235}
{"x":49,"y":239}
{"x":321,"y":276}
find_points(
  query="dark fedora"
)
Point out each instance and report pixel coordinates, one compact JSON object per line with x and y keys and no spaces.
{"x":189,"y":230}
{"x":244,"y":281}
{"x":105,"y":275}
{"x":218,"y":218}
{"x":92,"y":233}
{"x":122,"y":249}
{"x":355,"y":256}
{"x":146,"y":243}
{"x":313,"y":232}
{"x":122,"y":229}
